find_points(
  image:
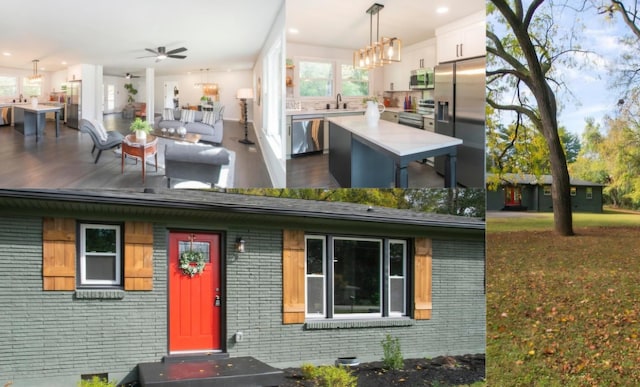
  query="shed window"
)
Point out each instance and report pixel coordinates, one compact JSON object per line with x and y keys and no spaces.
{"x":100,"y":255}
{"x":547,"y":190}
{"x":573,"y":191}
{"x":589,"y":193}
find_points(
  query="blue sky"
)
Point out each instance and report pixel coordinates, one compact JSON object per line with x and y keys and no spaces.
{"x":591,"y":83}
{"x":589,"y":80}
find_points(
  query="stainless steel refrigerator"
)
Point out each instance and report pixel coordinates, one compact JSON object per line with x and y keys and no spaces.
{"x":459,"y":96}
{"x":74,"y":103}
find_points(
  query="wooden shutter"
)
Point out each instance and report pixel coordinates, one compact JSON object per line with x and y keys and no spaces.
{"x":58,"y":254}
{"x":422,"y":272}
{"x":138,"y":256}
{"x":293,"y":277}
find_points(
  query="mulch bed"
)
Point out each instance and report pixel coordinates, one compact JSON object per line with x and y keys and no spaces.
{"x":439,"y":371}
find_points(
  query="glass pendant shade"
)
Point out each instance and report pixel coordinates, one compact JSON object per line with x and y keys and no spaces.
{"x":391,"y":49}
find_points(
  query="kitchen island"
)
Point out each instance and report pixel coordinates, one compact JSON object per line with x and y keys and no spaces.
{"x":360,"y":156}
{"x":30,"y":120}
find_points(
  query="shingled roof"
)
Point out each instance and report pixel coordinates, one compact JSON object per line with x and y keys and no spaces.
{"x":213,"y":201}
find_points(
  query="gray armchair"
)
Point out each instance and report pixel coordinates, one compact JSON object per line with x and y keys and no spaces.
{"x":114,"y":138}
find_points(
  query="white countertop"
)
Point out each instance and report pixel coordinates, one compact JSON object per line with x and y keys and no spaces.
{"x":324,"y":112}
{"x":398,"y":139}
{"x":39,"y":108}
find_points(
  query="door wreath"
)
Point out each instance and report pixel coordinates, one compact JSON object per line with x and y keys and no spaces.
{"x":192,"y":263}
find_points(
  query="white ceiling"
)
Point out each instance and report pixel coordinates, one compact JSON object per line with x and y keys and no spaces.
{"x":346,"y":23}
{"x":219,"y":35}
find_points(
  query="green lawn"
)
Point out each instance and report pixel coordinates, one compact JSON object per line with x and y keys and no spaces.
{"x":544,"y":221}
{"x":564,"y":311}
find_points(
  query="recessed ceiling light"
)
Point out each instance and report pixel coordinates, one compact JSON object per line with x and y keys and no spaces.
{"x":6,"y":53}
{"x":293,"y":30}
{"x":442,"y":10}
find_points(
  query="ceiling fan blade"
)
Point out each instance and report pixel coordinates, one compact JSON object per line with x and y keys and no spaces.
{"x":152,"y":51}
{"x":176,"y":51}
{"x":148,"y":56}
{"x":177,"y":56}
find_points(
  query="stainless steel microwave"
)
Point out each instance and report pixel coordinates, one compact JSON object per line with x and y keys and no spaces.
{"x":422,"y":79}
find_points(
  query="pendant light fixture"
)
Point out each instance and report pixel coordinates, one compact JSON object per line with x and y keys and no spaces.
{"x":35,"y":77}
{"x":381,"y":51}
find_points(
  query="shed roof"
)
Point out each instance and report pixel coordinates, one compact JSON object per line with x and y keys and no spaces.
{"x":525,"y":178}
{"x":221,"y":202}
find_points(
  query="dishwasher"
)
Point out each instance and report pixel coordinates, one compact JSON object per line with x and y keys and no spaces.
{"x":307,"y":135}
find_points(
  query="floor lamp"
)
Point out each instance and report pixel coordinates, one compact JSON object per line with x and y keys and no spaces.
{"x":244,"y":95}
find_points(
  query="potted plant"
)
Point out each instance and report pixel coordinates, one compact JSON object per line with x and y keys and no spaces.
{"x":140,"y":128}
{"x":131,"y":91}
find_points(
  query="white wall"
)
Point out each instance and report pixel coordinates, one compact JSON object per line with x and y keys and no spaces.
{"x":228,"y":84}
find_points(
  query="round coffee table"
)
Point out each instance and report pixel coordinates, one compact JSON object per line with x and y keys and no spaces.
{"x":140,"y":149}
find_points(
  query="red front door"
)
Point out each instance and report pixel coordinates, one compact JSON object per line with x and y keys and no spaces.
{"x":513,"y":196}
{"x":194,"y":302}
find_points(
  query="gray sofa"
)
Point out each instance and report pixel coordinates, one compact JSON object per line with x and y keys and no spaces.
{"x":208,"y":133}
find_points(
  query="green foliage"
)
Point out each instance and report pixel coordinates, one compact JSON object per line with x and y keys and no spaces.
{"x":392,"y":353}
{"x":96,"y":382}
{"x":563,"y":311}
{"x":131,"y":92}
{"x":139,"y":124}
{"x":329,"y":376}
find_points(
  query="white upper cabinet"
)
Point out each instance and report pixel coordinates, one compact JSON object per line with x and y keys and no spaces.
{"x":463,"y":39}
{"x":419,"y":55}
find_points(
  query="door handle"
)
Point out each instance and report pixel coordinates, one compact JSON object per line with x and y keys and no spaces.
{"x":217,"y":301}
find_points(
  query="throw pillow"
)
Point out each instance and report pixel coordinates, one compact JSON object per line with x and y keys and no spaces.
{"x":101,"y":131}
{"x":187,"y":115}
{"x":167,"y":115}
{"x":209,"y":118}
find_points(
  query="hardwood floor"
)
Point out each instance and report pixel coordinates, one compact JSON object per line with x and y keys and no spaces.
{"x":313,"y":171}
{"x":66,"y":161}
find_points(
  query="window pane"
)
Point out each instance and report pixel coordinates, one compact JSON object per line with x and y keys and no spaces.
{"x":397,"y":295}
{"x":100,"y":240}
{"x":8,"y":86}
{"x":356,"y":266}
{"x":355,"y":82}
{"x":396,"y":259}
{"x":31,"y":88}
{"x":202,"y":247}
{"x":315,"y":298}
{"x":101,"y":267}
{"x":315,"y":253}
{"x":316,"y":79}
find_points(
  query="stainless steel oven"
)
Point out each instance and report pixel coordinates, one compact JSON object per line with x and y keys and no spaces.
{"x":411,"y":119}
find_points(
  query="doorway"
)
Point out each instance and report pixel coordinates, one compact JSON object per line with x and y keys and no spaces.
{"x":195,"y":302}
{"x":513,"y":196}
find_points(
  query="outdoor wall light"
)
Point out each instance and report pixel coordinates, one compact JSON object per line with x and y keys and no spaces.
{"x":240,"y":245}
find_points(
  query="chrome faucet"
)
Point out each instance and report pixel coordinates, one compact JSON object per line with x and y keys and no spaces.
{"x":338,"y":100}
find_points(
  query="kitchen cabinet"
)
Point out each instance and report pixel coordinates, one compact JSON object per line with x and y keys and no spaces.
{"x":419,"y":55}
{"x":461,"y":41}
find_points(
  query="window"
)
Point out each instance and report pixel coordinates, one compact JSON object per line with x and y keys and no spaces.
{"x":316,"y":78}
{"x":100,"y":255}
{"x":352,"y":282}
{"x":355,"y":82}
{"x":31,"y":88}
{"x":589,"y":192}
{"x":547,"y":190}
{"x":8,"y":86}
{"x":573,"y":191}
{"x":272,"y":75}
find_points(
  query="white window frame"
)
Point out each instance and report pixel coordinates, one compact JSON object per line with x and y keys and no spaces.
{"x":404,"y":276}
{"x":298,"y":80}
{"x":573,"y":191}
{"x":26,"y":83}
{"x":589,"y":193}
{"x":340,"y":80}
{"x":83,"y":255}
{"x":323,"y":276}
{"x":15,"y":86}
{"x":547,"y":190}
{"x":273,"y":74}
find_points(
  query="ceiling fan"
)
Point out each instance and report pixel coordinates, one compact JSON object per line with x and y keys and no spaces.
{"x":129,"y":76}
{"x":161,"y":53}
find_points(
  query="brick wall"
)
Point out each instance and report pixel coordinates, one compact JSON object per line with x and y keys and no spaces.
{"x":255,"y":299}
{"x":51,"y":338}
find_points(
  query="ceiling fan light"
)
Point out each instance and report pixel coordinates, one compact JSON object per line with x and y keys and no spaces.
{"x":162,"y":56}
